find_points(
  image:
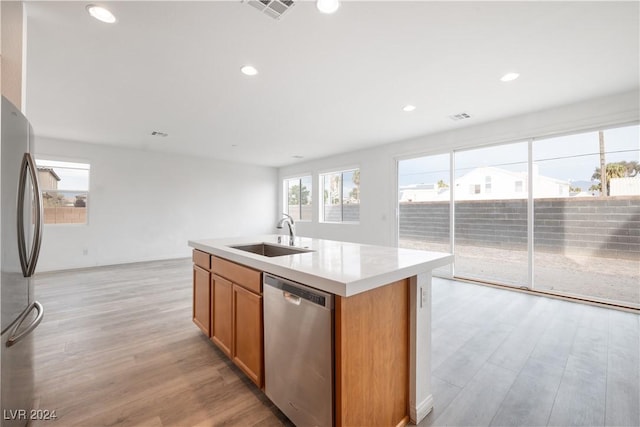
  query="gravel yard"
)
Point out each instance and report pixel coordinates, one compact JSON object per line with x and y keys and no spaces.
{"x":614,"y":280}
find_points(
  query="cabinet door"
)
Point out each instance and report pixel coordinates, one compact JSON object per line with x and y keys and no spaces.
{"x":247,"y":333}
{"x":221,"y":320}
{"x":202,"y":299}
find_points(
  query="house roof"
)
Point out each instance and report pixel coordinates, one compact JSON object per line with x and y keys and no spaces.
{"x":51,"y":171}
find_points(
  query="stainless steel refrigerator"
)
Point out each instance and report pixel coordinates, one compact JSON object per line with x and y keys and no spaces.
{"x":20,"y":236}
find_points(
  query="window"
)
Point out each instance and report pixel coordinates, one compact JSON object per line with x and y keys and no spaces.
{"x":519,"y":187}
{"x":341,"y":196}
{"x":487,"y":184}
{"x":65,"y":191}
{"x":298,"y":199}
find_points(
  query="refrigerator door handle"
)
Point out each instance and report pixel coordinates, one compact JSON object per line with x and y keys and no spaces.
{"x":13,"y":338}
{"x":28,"y":264}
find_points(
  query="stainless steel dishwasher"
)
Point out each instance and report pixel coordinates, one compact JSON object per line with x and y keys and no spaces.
{"x":298,"y":351}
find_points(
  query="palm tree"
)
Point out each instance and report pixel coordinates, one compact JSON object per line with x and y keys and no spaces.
{"x":613,"y":170}
{"x":633,"y":168}
{"x":298,"y":195}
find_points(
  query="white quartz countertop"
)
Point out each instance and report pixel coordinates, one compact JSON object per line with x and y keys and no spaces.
{"x":340,"y":268}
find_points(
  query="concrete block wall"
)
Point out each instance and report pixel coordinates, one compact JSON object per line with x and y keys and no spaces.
{"x":65,"y":215}
{"x":350,"y":213}
{"x":333,"y":213}
{"x":494,"y":223}
{"x":607,"y":227}
{"x":424,"y":221}
{"x":604,"y":227}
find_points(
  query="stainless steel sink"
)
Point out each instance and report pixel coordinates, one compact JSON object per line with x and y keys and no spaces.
{"x":265,"y":249}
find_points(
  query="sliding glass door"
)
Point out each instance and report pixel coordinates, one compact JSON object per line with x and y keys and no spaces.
{"x":558,"y":215}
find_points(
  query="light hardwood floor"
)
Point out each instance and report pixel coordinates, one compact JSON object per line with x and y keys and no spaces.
{"x":117,"y":347}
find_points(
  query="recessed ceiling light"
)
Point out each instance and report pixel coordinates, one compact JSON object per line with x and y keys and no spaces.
{"x":249,"y":70}
{"x":509,"y":77}
{"x":408,"y":108}
{"x":101,"y":14}
{"x":327,"y":6}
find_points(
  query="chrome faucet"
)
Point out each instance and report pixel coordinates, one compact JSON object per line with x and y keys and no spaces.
{"x":292,"y":227}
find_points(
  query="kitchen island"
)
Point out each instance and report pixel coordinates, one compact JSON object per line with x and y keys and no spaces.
{"x":382,"y":316}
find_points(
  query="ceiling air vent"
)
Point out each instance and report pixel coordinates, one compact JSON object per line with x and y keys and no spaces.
{"x":272,"y":8}
{"x":460,"y":116}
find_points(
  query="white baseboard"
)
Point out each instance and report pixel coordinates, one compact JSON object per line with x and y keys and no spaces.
{"x":421,"y":410}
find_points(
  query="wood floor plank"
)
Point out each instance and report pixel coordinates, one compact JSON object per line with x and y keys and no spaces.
{"x":623,"y":371}
{"x":471,"y":357}
{"x":555,"y":343}
{"x":477,"y":403}
{"x":531,"y":397}
{"x":443,"y":395}
{"x":581,"y":397}
{"x":516,"y":349}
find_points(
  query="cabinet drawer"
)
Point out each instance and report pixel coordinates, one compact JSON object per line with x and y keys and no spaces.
{"x":238,"y":274}
{"x":202,"y":259}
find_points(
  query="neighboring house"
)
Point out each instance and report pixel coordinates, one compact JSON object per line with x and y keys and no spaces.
{"x":487,"y":183}
{"x":48,"y":179}
{"x":423,"y":193}
{"x":629,"y":186}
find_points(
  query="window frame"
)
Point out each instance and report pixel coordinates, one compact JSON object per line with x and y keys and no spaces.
{"x":52,"y":158}
{"x":285,"y":194}
{"x":321,"y":190}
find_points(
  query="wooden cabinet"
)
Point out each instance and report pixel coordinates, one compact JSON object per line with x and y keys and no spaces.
{"x":247,"y":333}
{"x":221,"y":319}
{"x":372,"y":357}
{"x":202,"y":291}
{"x":227,"y":306}
{"x":236,"y":318}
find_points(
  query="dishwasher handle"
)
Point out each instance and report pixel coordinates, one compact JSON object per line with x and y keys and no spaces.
{"x":296,"y":293}
{"x":293,"y":299}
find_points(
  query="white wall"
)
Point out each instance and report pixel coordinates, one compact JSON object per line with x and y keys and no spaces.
{"x":146,"y":205}
{"x":378,"y":175}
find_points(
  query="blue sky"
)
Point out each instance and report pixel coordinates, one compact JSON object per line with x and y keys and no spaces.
{"x":73,"y":176}
{"x":569,"y":158}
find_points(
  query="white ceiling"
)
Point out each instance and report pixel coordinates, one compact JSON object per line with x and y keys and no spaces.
{"x":326,"y":84}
